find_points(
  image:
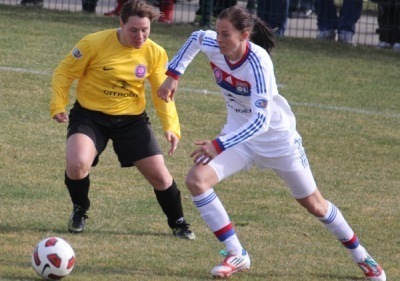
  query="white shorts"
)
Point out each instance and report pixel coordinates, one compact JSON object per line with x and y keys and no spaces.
{"x":292,"y":168}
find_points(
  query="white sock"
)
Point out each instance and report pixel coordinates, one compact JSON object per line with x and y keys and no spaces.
{"x":338,"y":226}
{"x":214,"y":214}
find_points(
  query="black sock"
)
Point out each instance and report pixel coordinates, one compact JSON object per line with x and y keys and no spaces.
{"x":79,"y":191}
{"x":171,"y":204}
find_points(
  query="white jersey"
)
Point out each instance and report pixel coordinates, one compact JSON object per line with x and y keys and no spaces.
{"x":257,"y":114}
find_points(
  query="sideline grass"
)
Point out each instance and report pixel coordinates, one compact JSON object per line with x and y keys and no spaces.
{"x":347,"y":104}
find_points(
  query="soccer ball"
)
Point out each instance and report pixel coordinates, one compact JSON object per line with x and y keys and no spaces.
{"x":53,"y":258}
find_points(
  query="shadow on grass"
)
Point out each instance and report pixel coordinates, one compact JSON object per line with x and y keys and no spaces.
{"x":313,"y":276}
{"x":7,"y":228}
{"x":10,"y":278}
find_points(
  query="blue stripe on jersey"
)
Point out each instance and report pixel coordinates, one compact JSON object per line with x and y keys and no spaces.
{"x":206,"y":200}
{"x":177,"y":58}
{"x":207,"y":41}
{"x":332,"y":215}
{"x":246,"y":133}
{"x":258,"y":73}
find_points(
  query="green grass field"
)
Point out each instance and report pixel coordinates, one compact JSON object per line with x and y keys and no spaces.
{"x":347,"y":102}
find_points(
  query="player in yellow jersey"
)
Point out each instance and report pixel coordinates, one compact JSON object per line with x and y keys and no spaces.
{"x":111,"y":67}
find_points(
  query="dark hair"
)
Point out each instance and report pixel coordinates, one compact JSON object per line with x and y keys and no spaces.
{"x":243,"y":20}
{"x":139,"y":8}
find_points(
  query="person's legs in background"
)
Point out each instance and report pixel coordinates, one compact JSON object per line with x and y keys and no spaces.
{"x":389,"y":24}
{"x":396,"y":25}
{"x":274,"y":13}
{"x":327,"y":19}
{"x":251,"y":6}
{"x":384,"y":26}
{"x":350,"y":13}
{"x":294,"y":5}
{"x":220,"y":5}
{"x":89,"y":6}
{"x":117,"y":9}
{"x":35,"y":3}
{"x":307,"y":5}
{"x":301,"y":9}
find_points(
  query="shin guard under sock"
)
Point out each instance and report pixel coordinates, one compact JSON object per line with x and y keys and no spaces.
{"x":79,"y":191}
{"x":171,"y":204}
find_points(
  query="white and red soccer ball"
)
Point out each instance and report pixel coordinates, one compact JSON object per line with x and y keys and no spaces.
{"x":53,"y":258}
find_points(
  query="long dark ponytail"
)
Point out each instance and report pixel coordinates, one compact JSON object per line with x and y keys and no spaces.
{"x":243,"y":20}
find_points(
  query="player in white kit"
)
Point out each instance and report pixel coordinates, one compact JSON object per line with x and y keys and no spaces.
{"x":260,"y":130}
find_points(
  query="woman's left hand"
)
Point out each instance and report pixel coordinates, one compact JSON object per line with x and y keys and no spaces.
{"x":204,"y":153}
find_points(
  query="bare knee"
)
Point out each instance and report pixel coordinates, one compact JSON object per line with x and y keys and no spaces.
{"x":77,"y":170}
{"x":156,"y":173}
{"x":161,"y":182}
{"x":317,"y":209}
{"x":315,"y":204}
{"x":194,"y":184}
{"x":79,"y":156}
{"x":200,"y":179}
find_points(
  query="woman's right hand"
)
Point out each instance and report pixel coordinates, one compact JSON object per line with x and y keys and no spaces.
{"x":61,"y":117}
{"x":167,"y":90}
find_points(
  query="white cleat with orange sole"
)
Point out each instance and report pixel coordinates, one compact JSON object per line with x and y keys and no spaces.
{"x":231,"y":264}
{"x":372,"y":270}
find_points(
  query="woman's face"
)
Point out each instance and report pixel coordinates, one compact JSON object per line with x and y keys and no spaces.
{"x":232,"y":42}
{"x":135,"y":32}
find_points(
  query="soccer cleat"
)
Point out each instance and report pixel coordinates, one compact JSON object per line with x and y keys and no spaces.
{"x":182,"y":230}
{"x":231,"y":264}
{"x":77,"y":221}
{"x":372,"y":270}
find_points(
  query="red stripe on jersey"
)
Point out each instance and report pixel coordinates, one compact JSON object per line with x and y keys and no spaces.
{"x":217,"y":146}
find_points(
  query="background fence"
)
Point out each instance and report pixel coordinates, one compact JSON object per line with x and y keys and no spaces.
{"x":185,"y":13}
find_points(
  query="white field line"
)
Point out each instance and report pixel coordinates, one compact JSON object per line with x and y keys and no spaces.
{"x":23,"y":70}
{"x":204,"y":91}
{"x":312,"y":105}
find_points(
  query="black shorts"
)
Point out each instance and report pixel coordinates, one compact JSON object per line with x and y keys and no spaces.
{"x":132,"y":136}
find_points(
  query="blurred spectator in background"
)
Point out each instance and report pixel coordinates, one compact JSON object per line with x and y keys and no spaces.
{"x":221,"y":5}
{"x":89,"y":6}
{"x":167,"y":8}
{"x":301,"y":9}
{"x":117,"y":9}
{"x":389,"y":24}
{"x":329,"y":21}
{"x":36,"y":3}
{"x":218,"y":6}
{"x":274,"y":13}
{"x":251,"y":6}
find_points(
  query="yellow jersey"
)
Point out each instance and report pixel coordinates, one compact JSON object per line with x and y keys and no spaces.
{"x":111,"y":78}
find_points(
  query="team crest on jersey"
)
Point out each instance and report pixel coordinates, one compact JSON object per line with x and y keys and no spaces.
{"x":218,"y":75}
{"x":242,"y":88}
{"x":140,"y":71}
{"x":262,"y":103}
{"x":76,"y":53}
